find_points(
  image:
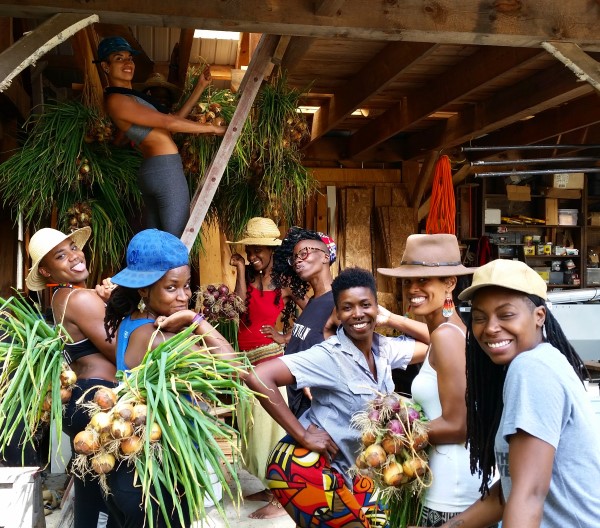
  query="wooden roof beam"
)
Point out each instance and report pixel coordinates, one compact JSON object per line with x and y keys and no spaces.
{"x":540,"y":92}
{"x":574,"y":115}
{"x":577,"y":60}
{"x":184,"y":51}
{"x":373,"y":78}
{"x":328,"y":7}
{"x":28,"y":50}
{"x":435,"y":21}
{"x":470,"y":75}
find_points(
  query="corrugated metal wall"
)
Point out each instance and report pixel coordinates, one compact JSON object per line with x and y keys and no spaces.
{"x":158,"y":43}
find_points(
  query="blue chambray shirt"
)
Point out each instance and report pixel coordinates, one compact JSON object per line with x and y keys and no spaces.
{"x":341,"y":384}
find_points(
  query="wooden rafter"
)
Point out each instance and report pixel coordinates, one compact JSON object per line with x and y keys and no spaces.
{"x":249,"y":88}
{"x":472,"y":74}
{"x":465,"y":22}
{"x":575,"y":115}
{"x":28,"y":50}
{"x":372,"y":79}
{"x":184,"y":49}
{"x":577,"y":60}
{"x":295,"y":50}
{"x":328,"y":7}
{"x":544,"y":90}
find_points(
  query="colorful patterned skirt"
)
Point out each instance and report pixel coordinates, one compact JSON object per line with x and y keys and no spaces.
{"x":315,"y":495}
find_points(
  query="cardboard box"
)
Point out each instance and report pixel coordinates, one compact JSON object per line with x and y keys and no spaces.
{"x":594,"y":219}
{"x":551,"y":211}
{"x":567,"y":180}
{"x":518,"y":193}
{"x":492,"y":216}
{"x":566,"y":194}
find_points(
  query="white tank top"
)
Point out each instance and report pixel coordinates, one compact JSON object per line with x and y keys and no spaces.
{"x":453,"y":488}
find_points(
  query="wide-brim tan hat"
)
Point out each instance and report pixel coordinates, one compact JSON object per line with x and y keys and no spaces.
{"x":44,"y":241}
{"x":510,"y":274}
{"x":159,"y":80}
{"x":429,"y":256}
{"x":260,"y":232}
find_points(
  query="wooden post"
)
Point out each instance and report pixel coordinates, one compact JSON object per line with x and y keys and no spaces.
{"x":249,"y":88}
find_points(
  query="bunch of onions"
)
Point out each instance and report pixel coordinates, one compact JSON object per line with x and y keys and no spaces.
{"x":162,"y":422}
{"x":393,"y":432}
{"x":222,"y":308}
{"x":116,"y":431}
{"x":31,"y":357}
{"x":218,"y":303}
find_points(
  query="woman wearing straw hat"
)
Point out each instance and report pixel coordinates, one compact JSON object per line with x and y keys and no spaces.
{"x":161,"y":178}
{"x":259,"y":340}
{"x":59,"y":264}
{"x":527,"y":408}
{"x":429,"y":270}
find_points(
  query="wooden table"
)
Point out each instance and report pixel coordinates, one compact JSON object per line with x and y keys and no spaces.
{"x":592,"y":366}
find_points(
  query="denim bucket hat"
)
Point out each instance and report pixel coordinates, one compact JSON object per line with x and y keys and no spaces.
{"x":150,"y":254}
{"x":112,"y":45}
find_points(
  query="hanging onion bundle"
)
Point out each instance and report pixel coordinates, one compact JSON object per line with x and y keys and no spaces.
{"x":394,"y":439}
{"x":222,"y":308}
{"x":35,"y":382}
{"x":166,"y":407}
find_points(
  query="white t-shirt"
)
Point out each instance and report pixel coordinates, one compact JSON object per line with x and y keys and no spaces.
{"x":544,"y":397}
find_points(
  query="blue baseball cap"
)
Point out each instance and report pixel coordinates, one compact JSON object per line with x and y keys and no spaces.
{"x":112,"y":45}
{"x":150,"y":254}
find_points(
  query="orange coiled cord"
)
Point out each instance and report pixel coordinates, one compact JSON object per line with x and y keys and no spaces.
{"x":442,"y":213}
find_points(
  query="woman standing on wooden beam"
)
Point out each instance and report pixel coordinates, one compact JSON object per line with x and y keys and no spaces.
{"x":149,"y":126}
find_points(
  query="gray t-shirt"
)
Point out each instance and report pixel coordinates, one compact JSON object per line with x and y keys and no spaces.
{"x":341,"y":384}
{"x":544,"y":397}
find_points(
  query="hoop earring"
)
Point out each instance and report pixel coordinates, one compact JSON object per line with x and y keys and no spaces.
{"x":141,"y":305}
{"x":448,"y":308}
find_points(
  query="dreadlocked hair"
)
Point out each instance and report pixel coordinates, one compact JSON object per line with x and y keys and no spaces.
{"x":123,"y":301}
{"x":251,"y":274}
{"x":485,"y":383}
{"x":284,"y":276}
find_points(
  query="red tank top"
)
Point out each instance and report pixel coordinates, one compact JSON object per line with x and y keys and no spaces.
{"x":261,"y":310}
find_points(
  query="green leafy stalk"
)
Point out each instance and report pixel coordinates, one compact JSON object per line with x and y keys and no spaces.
{"x":32,"y":361}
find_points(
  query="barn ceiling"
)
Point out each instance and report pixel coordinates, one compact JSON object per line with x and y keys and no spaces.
{"x":393,"y":80}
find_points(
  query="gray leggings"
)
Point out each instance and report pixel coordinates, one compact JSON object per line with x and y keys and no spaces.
{"x":165,"y":192}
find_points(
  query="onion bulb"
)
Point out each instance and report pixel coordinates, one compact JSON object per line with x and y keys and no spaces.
{"x":105,"y":398}
{"x":47,"y":403}
{"x":85,"y":442}
{"x":393,"y":474}
{"x":124,"y":411}
{"x":68,"y":378}
{"x":131,"y":445}
{"x":420,"y":441}
{"x":121,"y":429}
{"x":392,"y":444}
{"x":374,"y":455}
{"x":414,"y":467}
{"x":155,"y":432}
{"x":65,"y":394}
{"x":103,"y":463}
{"x":361,"y":463}
{"x":101,"y":422}
{"x":139,"y":414}
{"x":368,"y":438}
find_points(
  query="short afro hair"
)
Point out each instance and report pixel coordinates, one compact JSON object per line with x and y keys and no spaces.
{"x":353,"y":278}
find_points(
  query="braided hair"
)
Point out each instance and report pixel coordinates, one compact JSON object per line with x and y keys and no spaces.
{"x":283,"y":274}
{"x":485,"y":383}
{"x":123,"y":301}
